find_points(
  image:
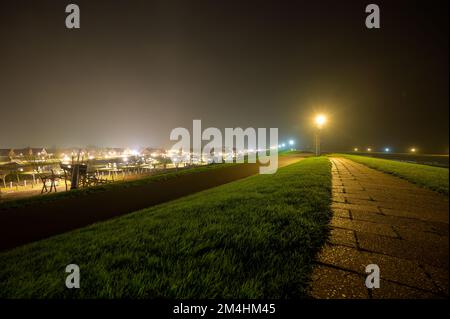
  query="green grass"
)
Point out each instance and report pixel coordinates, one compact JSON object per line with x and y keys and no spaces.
{"x":253,"y":238}
{"x":300,"y":153}
{"x":435,"y":178}
{"x":115,"y":185}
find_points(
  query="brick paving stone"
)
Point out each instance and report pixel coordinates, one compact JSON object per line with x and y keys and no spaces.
{"x":389,"y":290}
{"x":417,"y":205}
{"x":384,"y":220}
{"x":361,"y":195}
{"x":370,"y":207}
{"x":363,"y":226}
{"x":342,"y":213}
{"x":426,"y":215}
{"x":339,"y":198}
{"x":330,"y":283}
{"x":355,"y":192}
{"x":394,"y":269}
{"x":439,"y":276}
{"x":410,"y":224}
{"x":428,"y":253}
{"x":344,"y":237}
{"x":358,"y":201}
{"x":338,"y":189}
{"x":372,"y":217}
{"x":421,"y":236}
{"x":427,"y":198}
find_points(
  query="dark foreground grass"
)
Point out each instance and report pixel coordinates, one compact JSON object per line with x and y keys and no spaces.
{"x":435,"y":178}
{"x":252,"y":238}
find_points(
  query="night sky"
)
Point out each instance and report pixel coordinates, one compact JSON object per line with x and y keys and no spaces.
{"x":137,"y":69}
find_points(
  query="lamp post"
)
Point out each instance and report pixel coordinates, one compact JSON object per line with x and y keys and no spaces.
{"x":317,"y":142}
{"x":320,"y":121}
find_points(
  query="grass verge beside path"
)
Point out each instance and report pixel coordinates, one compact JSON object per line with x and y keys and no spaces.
{"x":435,"y":178}
{"x":252,"y":238}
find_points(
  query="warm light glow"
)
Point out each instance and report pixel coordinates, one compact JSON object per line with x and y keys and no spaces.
{"x":355,"y":149}
{"x":413,"y":150}
{"x":320,"y":120}
{"x":369,"y":149}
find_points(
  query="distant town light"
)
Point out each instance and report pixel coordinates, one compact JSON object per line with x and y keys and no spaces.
{"x":387,"y":150}
{"x":291,"y":142}
{"x":413,"y":150}
{"x":355,"y":149}
{"x":369,"y":149}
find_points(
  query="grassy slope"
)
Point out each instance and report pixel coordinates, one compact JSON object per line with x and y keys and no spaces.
{"x":251,"y":238}
{"x":435,"y":178}
{"x":118,"y":184}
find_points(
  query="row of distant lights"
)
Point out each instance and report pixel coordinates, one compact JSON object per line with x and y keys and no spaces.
{"x":386,"y":150}
{"x":283,"y":145}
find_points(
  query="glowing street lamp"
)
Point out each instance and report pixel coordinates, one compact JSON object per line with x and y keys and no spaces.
{"x":320,"y":121}
{"x":369,"y":149}
{"x":413,"y":150}
{"x":291,"y":142}
{"x":387,"y":149}
{"x":355,"y":149}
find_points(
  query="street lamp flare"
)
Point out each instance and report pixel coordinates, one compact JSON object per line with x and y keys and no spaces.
{"x":320,"y":120}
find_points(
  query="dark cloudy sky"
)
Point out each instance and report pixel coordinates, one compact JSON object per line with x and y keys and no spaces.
{"x":137,"y":69}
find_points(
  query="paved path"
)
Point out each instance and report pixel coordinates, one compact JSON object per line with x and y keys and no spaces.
{"x":384,"y":220}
